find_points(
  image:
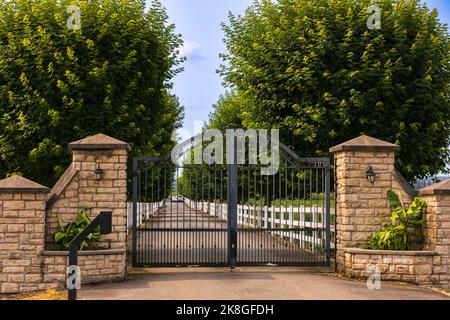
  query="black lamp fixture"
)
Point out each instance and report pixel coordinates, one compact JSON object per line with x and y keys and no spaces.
{"x":371,"y":175}
{"x":98,"y":173}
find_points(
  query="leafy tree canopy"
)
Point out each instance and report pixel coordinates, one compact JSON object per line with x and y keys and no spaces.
{"x":226,"y":112}
{"x":314,"y":69}
{"x":59,"y":84}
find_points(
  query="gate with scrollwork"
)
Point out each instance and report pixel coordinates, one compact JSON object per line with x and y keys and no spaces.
{"x":230,"y":215}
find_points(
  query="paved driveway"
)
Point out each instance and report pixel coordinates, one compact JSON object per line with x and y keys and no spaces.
{"x":248,"y":283}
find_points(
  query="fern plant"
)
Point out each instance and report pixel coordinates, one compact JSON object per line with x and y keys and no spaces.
{"x":69,"y":231}
{"x":406,"y":227}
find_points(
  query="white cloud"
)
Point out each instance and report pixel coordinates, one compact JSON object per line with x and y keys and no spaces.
{"x":189,"y":49}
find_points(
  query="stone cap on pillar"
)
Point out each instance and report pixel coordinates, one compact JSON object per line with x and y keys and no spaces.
{"x":99,"y":142}
{"x":18,"y":184}
{"x":440,"y":188}
{"x":365,"y":143}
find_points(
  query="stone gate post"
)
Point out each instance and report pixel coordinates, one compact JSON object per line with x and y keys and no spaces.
{"x":362,"y":206}
{"x":437,"y":230}
{"x":101,"y":162}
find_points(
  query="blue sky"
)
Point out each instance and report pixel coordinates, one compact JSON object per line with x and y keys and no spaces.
{"x":198,"y":87}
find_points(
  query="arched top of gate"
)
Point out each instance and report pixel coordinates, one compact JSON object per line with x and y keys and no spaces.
{"x":183,"y":148}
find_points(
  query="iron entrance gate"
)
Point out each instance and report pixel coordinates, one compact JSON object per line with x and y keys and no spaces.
{"x":228,"y":215}
{"x":175,"y":228}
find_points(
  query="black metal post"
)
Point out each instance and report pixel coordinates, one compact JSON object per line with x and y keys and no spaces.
{"x":73,"y":261}
{"x":135,"y":213}
{"x":104,"y":220}
{"x":327,"y":200}
{"x":335,"y":212}
{"x":232,"y":203}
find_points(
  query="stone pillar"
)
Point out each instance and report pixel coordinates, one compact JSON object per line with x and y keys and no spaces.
{"x":361,"y":206}
{"x":22,"y":218}
{"x":437,"y":230}
{"x":107,"y":191}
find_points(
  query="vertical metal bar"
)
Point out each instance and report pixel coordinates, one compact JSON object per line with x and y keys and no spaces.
{"x":177,"y":216}
{"x":327,"y":194}
{"x":158,"y":246}
{"x":201,"y":238}
{"x":291,"y":227}
{"x":194,"y":241}
{"x":316,"y":215}
{"x":335,"y":212}
{"x":298,"y":233}
{"x":224,"y":235}
{"x":73,"y":261}
{"x":165,"y":215}
{"x":135,"y":196}
{"x":232,"y":206}
{"x":313,"y":249}
{"x":266,"y":215}
{"x":216,"y":234}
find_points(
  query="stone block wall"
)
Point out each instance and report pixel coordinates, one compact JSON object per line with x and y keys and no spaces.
{"x":22,"y":212}
{"x":95,"y":266}
{"x":29,"y":211}
{"x":405,"y":266}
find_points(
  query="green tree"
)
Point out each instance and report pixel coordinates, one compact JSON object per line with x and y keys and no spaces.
{"x":227,"y":112}
{"x":316,"y":71}
{"x":58,"y":84}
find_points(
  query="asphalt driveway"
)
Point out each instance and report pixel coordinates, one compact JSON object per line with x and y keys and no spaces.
{"x":248,"y":284}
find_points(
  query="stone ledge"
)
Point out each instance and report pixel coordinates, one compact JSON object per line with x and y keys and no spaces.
{"x":441,"y":188}
{"x":60,"y":186}
{"x":365,"y":143}
{"x":18,"y":184}
{"x":99,"y":142}
{"x":404,"y":184}
{"x":389,"y":252}
{"x":86,"y":252}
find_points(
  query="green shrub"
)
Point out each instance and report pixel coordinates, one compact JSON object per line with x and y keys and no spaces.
{"x":69,"y":231}
{"x":406,"y":228}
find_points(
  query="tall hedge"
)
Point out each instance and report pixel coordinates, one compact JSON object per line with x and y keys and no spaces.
{"x":314,"y":69}
{"x":59,"y":84}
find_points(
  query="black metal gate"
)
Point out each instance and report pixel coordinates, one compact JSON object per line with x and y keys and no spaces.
{"x":228,"y":215}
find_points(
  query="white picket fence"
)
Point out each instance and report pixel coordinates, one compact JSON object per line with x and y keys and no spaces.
{"x":282,"y":217}
{"x":145,"y":211}
{"x":256,"y":217}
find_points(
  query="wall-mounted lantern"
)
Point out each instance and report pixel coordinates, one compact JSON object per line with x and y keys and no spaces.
{"x":99,"y":173}
{"x":371,"y":175}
